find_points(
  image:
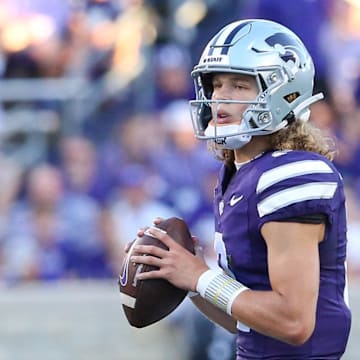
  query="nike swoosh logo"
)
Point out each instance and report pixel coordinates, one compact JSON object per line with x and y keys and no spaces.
{"x":123,"y":277}
{"x":235,"y":199}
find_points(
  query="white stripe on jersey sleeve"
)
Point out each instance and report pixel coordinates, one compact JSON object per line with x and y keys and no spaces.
{"x":290,"y":170}
{"x":309,"y":191}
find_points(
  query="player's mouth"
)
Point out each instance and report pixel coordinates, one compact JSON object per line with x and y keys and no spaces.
{"x":223,"y":117}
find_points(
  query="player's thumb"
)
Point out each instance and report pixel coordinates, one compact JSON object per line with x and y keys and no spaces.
{"x":199,"y":251}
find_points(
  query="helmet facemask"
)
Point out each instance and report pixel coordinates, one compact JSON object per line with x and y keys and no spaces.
{"x":255,"y":120}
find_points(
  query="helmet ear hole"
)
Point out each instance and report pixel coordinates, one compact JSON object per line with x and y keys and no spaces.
{"x":205,"y":116}
{"x":206,"y":81}
{"x":262,"y":83}
{"x":252,"y":124}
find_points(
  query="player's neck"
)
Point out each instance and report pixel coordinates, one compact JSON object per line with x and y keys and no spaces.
{"x":254,"y":148}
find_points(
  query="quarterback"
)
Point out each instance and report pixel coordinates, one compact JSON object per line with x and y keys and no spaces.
{"x":279,"y":202}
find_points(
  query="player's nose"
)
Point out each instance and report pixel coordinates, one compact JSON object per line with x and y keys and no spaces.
{"x":222,"y":93}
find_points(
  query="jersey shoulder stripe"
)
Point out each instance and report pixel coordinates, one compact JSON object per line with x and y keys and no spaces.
{"x":308,"y":191}
{"x":290,"y":170}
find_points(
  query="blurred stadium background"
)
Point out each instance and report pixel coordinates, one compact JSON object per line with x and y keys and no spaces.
{"x":95,"y":140}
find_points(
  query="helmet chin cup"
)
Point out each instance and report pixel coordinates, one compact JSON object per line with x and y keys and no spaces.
{"x":227,"y":137}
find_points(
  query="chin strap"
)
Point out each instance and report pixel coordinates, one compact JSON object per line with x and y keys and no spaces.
{"x":302,"y":111}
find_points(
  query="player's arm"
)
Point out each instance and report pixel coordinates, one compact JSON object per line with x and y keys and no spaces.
{"x":288,"y":312}
{"x":214,"y":314}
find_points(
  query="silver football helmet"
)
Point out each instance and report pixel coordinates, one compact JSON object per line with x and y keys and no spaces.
{"x":283,"y":70}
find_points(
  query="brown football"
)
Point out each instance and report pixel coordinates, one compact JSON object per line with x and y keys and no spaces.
{"x":148,"y":301}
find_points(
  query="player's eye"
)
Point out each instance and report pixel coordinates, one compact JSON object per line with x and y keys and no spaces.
{"x":240,"y":86}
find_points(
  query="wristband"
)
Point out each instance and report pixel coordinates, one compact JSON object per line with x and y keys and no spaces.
{"x":219,"y":289}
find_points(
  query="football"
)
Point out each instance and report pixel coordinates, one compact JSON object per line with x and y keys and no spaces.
{"x":148,"y":301}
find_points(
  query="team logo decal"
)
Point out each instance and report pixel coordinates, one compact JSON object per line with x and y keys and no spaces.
{"x":286,"y":46}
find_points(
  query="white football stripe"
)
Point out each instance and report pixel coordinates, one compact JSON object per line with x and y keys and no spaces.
{"x":310,"y":191}
{"x":127,"y":300}
{"x":287,"y":171}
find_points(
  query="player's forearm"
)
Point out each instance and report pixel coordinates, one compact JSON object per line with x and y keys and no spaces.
{"x":215,"y":314}
{"x":288,"y":317}
{"x":272,"y":314}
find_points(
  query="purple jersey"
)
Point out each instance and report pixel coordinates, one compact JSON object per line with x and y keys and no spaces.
{"x":274,"y":186}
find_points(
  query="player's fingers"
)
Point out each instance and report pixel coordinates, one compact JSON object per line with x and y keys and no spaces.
{"x":146,"y":260}
{"x":150,"y":250}
{"x":141,"y":232}
{"x":199,"y":250}
{"x":195,"y":240}
{"x":154,"y":274}
{"x":160,"y":234}
{"x":158,"y":220}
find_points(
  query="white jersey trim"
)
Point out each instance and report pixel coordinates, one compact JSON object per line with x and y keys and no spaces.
{"x":296,"y":194}
{"x":283,"y":172}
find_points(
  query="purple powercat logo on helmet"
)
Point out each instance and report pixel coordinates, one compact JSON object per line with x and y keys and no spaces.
{"x":290,"y":47}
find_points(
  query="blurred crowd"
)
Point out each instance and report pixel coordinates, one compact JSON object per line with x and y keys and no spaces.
{"x":96,"y":138}
{"x":95,"y":133}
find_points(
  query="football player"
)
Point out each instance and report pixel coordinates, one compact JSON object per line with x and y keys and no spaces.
{"x":279,"y":203}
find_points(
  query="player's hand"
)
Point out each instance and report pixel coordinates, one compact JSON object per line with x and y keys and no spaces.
{"x":177,"y":265}
{"x":140,"y":233}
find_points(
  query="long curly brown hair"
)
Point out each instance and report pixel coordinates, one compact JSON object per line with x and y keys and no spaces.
{"x":299,"y":135}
